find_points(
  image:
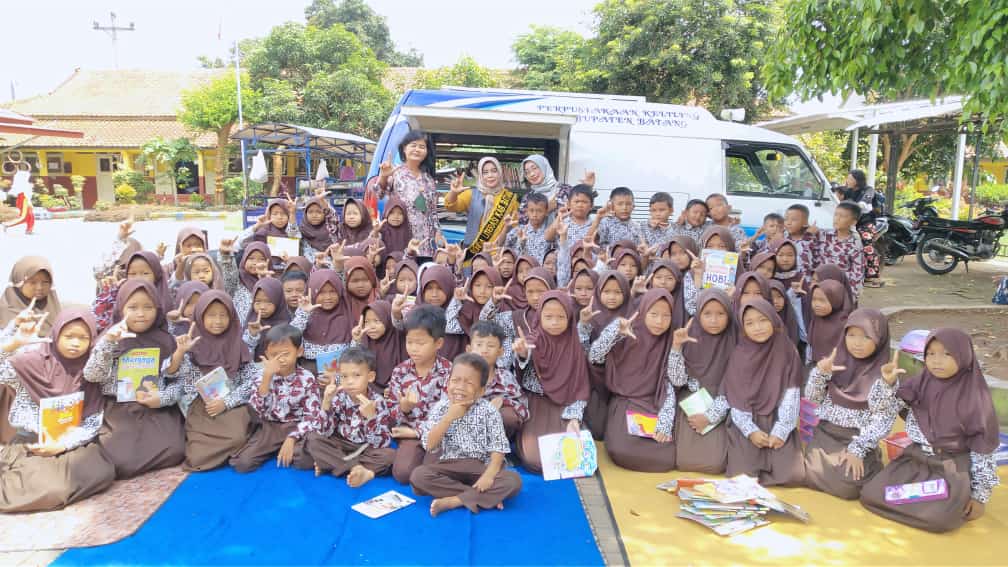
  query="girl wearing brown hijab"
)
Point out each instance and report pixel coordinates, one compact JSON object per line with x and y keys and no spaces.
{"x":254,"y":264}
{"x":464,"y":309}
{"x":190,"y":240}
{"x":684,"y":254}
{"x":954,"y":430}
{"x":180,"y":319}
{"x":215,"y":429}
{"x":361,"y":284}
{"x":143,"y":435}
{"x":537,"y":282}
{"x":782,"y":303}
{"x":554,"y":369}
{"x":634,"y":352}
{"x":395,"y":229}
{"x":750,"y":285}
{"x":698,"y":360}
{"x":382,"y":338}
{"x":315,"y":235}
{"x":612,"y":300}
{"x":830,"y":308}
{"x":48,"y":476}
{"x":269,"y":309}
{"x":324,"y":317}
{"x":355,"y":223}
{"x":762,"y":385}
{"x":843,"y":454}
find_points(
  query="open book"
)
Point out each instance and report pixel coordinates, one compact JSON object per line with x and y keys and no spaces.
{"x":565,"y":455}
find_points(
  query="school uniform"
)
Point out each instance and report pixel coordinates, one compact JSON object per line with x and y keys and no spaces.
{"x":463,"y":454}
{"x":346,"y":438}
{"x":431,"y":388}
{"x":847,"y":253}
{"x":514,"y":407}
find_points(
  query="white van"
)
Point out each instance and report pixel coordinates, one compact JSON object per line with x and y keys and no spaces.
{"x":627,"y":141}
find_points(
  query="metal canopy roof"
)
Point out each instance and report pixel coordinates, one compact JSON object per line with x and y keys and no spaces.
{"x":315,"y":139}
{"x":15,"y":123}
{"x":870,"y":116}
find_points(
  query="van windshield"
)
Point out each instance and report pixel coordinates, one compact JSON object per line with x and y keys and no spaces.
{"x":770,"y":171}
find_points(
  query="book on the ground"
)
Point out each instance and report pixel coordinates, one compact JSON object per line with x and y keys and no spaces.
{"x":59,"y":414}
{"x":925,"y":491}
{"x":278,"y":245}
{"x":383,"y":504}
{"x":719,"y":268}
{"x":725,"y":528}
{"x":138,"y":369}
{"x":728,"y":506}
{"x":698,"y":402}
{"x":214,"y":385}
{"x":327,"y":363}
{"x":641,"y":424}
{"x":565,"y":455}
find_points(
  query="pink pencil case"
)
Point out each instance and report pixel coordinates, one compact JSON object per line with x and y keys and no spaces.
{"x":926,"y":491}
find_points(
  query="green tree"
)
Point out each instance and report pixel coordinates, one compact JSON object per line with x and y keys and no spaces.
{"x":213,"y":107}
{"x":466,"y":72}
{"x":831,"y":151}
{"x":550,"y":58}
{"x":894,"y":47}
{"x":165,"y":154}
{"x":322,"y":77}
{"x":359,"y":19}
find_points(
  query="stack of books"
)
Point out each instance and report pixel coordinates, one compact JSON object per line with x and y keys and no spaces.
{"x":729,"y":506}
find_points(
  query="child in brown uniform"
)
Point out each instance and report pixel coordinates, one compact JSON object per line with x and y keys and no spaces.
{"x":467,"y":433}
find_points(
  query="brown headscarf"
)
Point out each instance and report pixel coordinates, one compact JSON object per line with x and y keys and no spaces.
{"x":14,"y":302}
{"x":685,"y":242}
{"x":302,"y":264}
{"x":560,"y":360}
{"x":636,"y":369}
{"x":226,"y":350}
{"x":273,"y":289}
{"x":157,"y":335}
{"x":707,"y":359}
{"x":787,"y":315}
{"x":849,"y":387}
{"x":679,"y":313}
{"x":264,"y":232}
{"x":357,"y":304}
{"x":632,"y":254}
{"x":218,"y":277}
{"x":515,"y":288}
{"x":743,"y":279}
{"x":132,"y":247}
{"x":606,"y":315}
{"x":390,"y":348}
{"x":404,"y":264}
{"x":395,"y":238}
{"x":470,"y":311}
{"x":317,"y":235}
{"x":592,"y":275}
{"x":528,"y":317}
{"x":955,"y":414}
{"x":248,"y":279}
{"x":332,"y":326}
{"x":762,"y":257}
{"x":45,"y":373}
{"x":824,"y":333}
{"x":795,"y":274}
{"x":759,"y":373}
{"x":723,"y":232}
{"x":164,"y":295}
{"x":440,"y":275}
{"x":185,"y":293}
{"x":363,"y":230}
{"x":191,"y":231}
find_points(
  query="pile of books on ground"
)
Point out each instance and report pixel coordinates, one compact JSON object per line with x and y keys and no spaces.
{"x":728,"y":506}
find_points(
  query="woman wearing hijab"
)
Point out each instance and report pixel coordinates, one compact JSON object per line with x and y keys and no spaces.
{"x":634,"y":352}
{"x":950,"y":420}
{"x":612,"y":301}
{"x":844,"y":454}
{"x":554,"y":370}
{"x":487,"y":207}
{"x":413,"y":182}
{"x":215,"y":429}
{"x":382,"y":338}
{"x":142,"y":435}
{"x":830,"y":307}
{"x":48,"y":474}
{"x":762,"y":385}
{"x":697,"y":361}
{"x":324,"y":317}
{"x":539,"y":178}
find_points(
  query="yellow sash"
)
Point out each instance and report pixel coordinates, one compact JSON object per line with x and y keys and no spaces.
{"x":493,"y":223}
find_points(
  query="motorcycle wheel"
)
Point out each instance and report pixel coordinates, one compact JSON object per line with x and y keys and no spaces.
{"x":933,"y":261}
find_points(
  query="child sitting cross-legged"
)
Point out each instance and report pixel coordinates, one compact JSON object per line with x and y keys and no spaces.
{"x":356,"y":434}
{"x":466,"y":433}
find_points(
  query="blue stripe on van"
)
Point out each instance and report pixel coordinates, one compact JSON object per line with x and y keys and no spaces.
{"x":498,"y":103}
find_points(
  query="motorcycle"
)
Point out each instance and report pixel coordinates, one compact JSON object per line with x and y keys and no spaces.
{"x":946,"y":242}
{"x":899,"y":236}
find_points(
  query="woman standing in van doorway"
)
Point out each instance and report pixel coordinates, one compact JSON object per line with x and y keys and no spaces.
{"x":414,"y":183}
{"x":540,"y":178}
{"x":487,"y":207}
{"x":856,"y":189}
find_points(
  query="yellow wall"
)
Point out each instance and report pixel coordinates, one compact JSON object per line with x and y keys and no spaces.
{"x":997,"y":168}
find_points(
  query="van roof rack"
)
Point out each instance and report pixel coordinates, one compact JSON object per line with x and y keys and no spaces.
{"x":592,"y":96}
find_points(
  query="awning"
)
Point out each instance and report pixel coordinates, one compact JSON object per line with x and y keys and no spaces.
{"x":870,"y":116}
{"x":315,"y":139}
{"x":441,"y":120}
{"x":13,"y":123}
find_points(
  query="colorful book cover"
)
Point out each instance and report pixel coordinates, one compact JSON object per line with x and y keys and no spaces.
{"x":214,"y":385}
{"x":328,"y":363}
{"x":138,"y":369}
{"x":565,"y":455}
{"x":641,"y":424}
{"x":383,"y":504}
{"x":925,"y":491}
{"x":278,"y":245}
{"x":58,"y":414}
{"x":719,"y":268}
{"x":698,"y":402}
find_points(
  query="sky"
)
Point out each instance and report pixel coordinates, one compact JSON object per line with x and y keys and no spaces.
{"x":170,"y":35}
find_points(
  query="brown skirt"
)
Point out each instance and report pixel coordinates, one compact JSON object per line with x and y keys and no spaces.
{"x":823,"y":469}
{"x":329,"y":455}
{"x":915,"y":466}
{"x":210,"y":441}
{"x":707,"y":454}
{"x":512,"y":423}
{"x":544,"y":419}
{"x":137,"y":439}
{"x":7,"y":431}
{"x":632,"y":452}
{"x":597,"y":410}
{"x":772,"y":467}
{"x":30,"y":483}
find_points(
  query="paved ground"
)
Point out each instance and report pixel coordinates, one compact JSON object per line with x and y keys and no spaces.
{"x":908,"y":285}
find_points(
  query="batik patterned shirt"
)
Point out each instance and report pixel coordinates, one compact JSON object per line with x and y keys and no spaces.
{"x":345,"y":419}
{"x":296,"y":397}
{"x":847,"y":253}
{"x":430,"y":388}
{"x":475,"y":435}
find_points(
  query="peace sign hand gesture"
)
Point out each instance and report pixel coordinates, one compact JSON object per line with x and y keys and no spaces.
{"x":457,"y":184}
{"x":625,"y":326}
{"x":587,"y":314}
{"x":521,"y":346}
{"x":826,"y":365}
{"x":499,"y":293}
{"x":336,"y":253}
{"x":891,"y":370}
{"x":305,"y":303}
{"x":255,"y":328}
{"x":357,"y":333}
{"x":119,"y":331}
{"x":386,"y":284}
{"x":640,"y":284}
{"x":681,"y":336}
{"x":185,"y":343}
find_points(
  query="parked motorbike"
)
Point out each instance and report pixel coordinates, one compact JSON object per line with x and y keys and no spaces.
{"x":899,"y":236}
{"x":945,"y":242}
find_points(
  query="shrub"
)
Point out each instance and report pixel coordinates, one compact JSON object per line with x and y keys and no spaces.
{"x":103,"y":206}
{"x":136,"y":180}
{"x":125,"y":194}
{"x":197,"y":201}
{"x":991,"y":195}
{"x":233,"y":191}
